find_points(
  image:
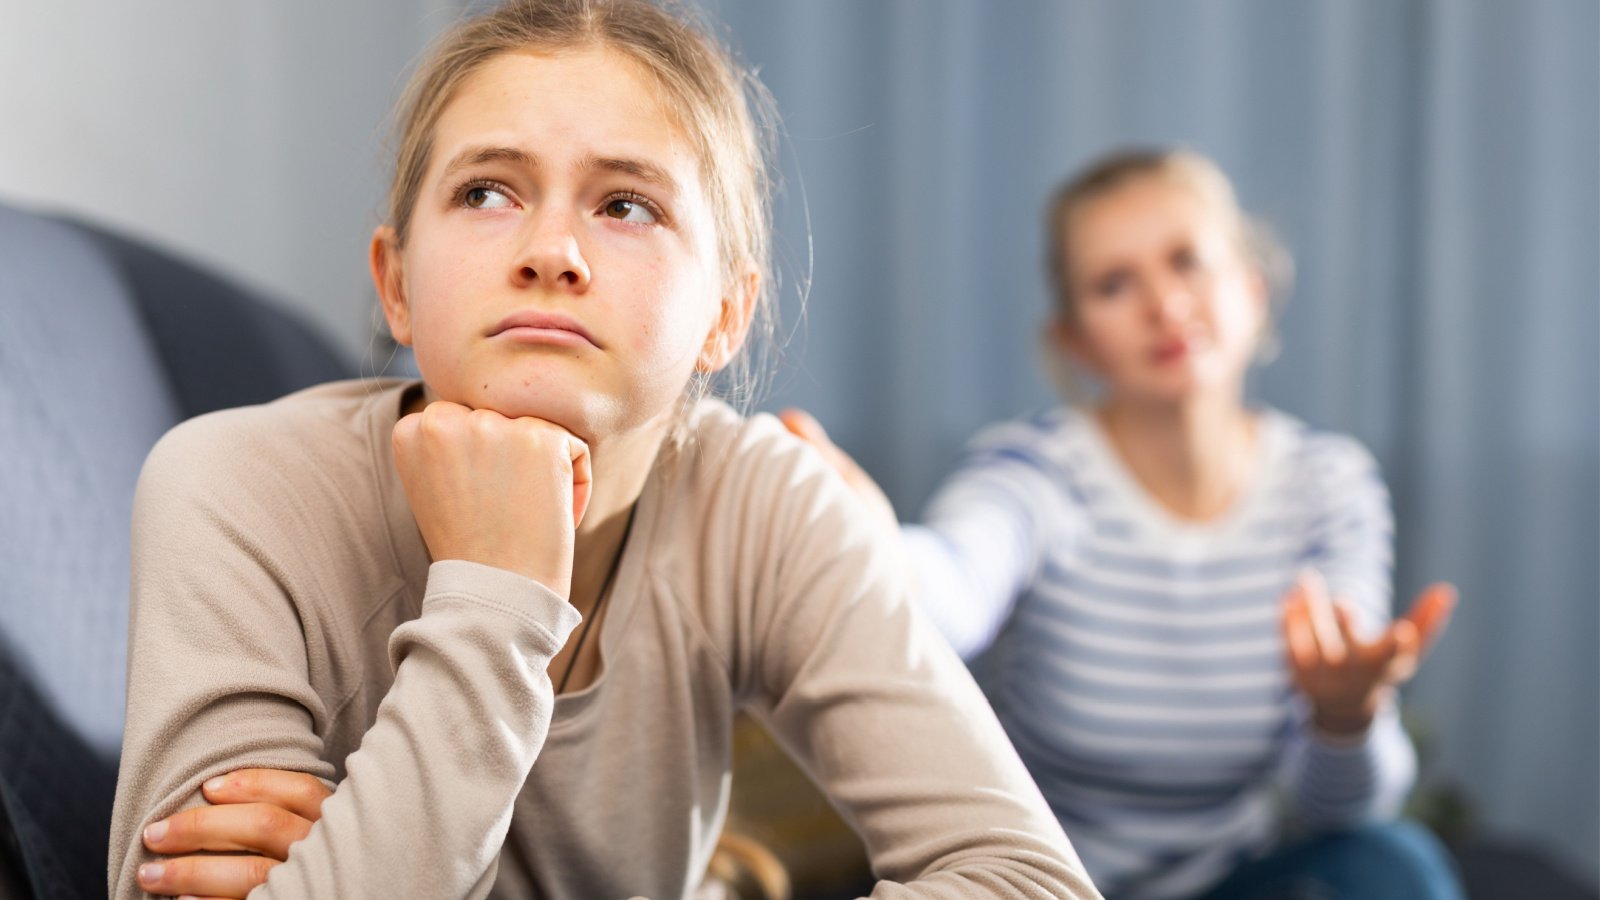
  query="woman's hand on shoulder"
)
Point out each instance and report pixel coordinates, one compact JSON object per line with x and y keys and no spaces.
{"x":1345,"y":677}
{"x":802,"y":425}
{"x":504,"y":492}
{"x":256,"y":814}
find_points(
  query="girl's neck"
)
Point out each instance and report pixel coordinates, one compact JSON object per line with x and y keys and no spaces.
{"x":621,"y":464}
{"x":1194,"y":458}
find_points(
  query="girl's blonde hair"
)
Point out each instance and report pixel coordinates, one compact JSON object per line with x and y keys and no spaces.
{"x":721,"y":106}
{"x":1257,"y":244}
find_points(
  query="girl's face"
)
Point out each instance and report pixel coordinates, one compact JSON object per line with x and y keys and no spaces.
{"x":561,"y":261}
{"x":1166,"y":305}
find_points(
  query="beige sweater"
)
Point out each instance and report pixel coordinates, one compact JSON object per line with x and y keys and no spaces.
{"x":285,"y":615}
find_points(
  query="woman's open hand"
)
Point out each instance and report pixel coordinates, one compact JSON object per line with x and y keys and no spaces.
{"x":1347,"y":678}
{"x":507,"y":493}
{"x":255,"y":813}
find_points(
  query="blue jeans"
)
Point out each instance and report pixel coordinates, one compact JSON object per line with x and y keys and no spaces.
{"x":1387,"y":861}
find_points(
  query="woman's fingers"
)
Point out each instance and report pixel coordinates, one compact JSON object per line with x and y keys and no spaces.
{"x":1402,"y":663}
{"x":297,"y":792}
{"x":1310,"y":624}
{"x":1346,"y":623}
{"x":804,"y":426}
{"x":1324,"y":622}
{"x":1297,"y":635}
{"x":1371,"y":658}
{"x":1431,"y":612}
{"x":211,"y":876}
{"x":248,"y":827}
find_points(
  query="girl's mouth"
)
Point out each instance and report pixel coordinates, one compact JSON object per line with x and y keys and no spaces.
{"x":535,"y":326}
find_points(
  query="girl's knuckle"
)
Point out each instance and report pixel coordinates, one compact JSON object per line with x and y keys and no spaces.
{"x":258,"y":868}
{"x":267,"y":819}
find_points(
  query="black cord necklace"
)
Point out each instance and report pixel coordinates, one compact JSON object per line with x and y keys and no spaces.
{"x":589,"y":620}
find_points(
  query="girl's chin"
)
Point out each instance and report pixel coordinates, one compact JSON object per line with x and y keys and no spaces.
{"x":568,"y":409}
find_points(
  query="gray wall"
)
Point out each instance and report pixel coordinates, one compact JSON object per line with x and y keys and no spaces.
{"x":248,"y":135}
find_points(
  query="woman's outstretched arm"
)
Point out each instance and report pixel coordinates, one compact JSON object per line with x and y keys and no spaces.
{"x":981,"y":541}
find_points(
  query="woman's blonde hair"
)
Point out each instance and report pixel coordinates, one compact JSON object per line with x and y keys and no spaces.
{"x":1259,"y":247}
{"x":722,"y":107}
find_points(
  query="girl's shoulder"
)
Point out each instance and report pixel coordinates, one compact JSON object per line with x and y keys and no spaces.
{"x":745,"y":481}
{"x":322,"y":413}
{"x":721,"y":451}
{"x":748,"y":526}
{"x":299,"y":442}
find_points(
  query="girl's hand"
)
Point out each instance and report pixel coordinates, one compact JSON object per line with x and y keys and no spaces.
{"x":801,"y":424}
{"x":507,"y":493}
{"x":1347,"y":678}
{"x":255,"y":812}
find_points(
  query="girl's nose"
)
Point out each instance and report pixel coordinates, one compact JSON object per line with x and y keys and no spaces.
{"x":551,"y":256}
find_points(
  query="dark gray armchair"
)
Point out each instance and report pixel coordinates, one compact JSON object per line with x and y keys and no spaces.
{"x":105,"y":343}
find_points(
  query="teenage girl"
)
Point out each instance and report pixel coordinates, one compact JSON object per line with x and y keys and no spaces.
{"x":510,"y":610}
{"x":1178,"y":603}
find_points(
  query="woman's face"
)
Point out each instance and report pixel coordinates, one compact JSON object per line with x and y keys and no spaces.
{"x":561,"y":260}
{"x":1166,"y":306}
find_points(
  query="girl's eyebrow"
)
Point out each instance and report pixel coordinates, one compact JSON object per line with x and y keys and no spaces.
{"x":473,"y":156}
{"x":638,"y":168}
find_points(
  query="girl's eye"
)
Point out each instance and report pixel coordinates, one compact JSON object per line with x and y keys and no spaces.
{"x":482,"y":197}
{"x":629,"y":210}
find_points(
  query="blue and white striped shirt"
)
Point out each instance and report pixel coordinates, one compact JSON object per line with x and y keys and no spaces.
{"x":1136,"y":659}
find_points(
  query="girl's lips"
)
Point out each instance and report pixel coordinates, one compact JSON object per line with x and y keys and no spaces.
{"x":530,"y":334}
{"x":539,"y":327}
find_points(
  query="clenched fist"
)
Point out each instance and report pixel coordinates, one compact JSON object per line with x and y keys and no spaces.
{"x":507,"y":493}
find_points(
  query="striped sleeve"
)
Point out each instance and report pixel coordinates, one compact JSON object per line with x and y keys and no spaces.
{"x":1339,"y":781}
{"x":981,"y":541}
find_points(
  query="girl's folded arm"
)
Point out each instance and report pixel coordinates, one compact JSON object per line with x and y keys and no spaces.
{"x":220,"y":678}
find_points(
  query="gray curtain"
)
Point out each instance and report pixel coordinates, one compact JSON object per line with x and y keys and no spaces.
{"x":1432,"y":164}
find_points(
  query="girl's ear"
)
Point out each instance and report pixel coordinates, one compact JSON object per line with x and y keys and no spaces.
{"x":388,"y":279}
{"x":732,"y":325}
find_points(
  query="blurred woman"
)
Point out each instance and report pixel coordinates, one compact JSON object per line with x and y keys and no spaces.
{"x":1177,"y":602}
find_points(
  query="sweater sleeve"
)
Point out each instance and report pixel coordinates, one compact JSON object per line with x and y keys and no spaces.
{"x":856,"y":685}
{"x":220,"y":679}
{"x":1337,"y":781}
{"x":981,"y":541}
